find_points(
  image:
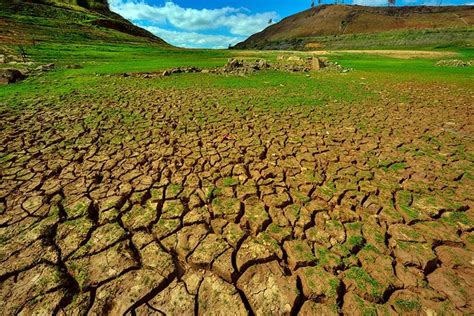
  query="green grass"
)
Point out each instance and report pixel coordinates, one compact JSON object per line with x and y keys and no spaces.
{"x":408,"y":305}
{"x":103,"y":53}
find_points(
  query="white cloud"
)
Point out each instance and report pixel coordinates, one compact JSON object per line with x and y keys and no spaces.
{"x":236,"y":20}
{"x":193,"y":39}
{"x":374,"y":3}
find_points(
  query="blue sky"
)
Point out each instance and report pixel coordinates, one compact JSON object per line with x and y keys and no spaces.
{"x":218,"y":23}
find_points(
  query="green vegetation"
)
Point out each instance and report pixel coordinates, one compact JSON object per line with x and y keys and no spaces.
{"x":365,"y":282}
{"x":408,"y":305}
{"x":99,"y":61}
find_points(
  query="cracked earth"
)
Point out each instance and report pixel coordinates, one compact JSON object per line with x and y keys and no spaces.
{"x":167,"y":201}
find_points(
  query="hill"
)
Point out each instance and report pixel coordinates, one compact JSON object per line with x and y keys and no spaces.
{"x":66,"y":21}
{"x":338,"y":26}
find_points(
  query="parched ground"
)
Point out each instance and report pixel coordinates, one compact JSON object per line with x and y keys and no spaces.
{"x":148,"y":200}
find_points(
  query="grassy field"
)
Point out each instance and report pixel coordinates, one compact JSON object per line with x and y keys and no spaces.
{"x":99,"y":60}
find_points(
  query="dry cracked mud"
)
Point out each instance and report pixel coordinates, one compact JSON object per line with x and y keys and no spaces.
{"x":168,"y":201}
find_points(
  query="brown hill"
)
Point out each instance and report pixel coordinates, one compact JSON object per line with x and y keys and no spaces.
{"x":336,"y":20}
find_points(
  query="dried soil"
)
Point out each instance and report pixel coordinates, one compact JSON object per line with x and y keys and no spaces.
{"x":168,"y":201}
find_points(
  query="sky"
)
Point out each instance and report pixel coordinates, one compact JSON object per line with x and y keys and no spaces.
{"x":220,"y":23}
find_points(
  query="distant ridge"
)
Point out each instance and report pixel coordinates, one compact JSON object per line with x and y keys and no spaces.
{"x":304,"y":29}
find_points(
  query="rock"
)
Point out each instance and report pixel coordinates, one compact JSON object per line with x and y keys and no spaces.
{"x":76,"y":66}
{"x":234,"y":63}
{"x":217,"y":297}
{"x":10,"y":75}
{"x":262,"y":64}
{"x":316,"y":63}
{"x":44,"y":68}
{"x":241,"y":67}
{"x":268,"y":290}
{"x":295,"y":58}
{"x":452,"y":63}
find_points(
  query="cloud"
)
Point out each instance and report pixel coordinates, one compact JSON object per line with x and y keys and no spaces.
{"x":236,"y":20}
{"x":370,"y":2}
{"x":193,"y":39}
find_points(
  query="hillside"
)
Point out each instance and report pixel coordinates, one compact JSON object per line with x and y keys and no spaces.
{"x":329,"y":25}
{"x":96,"y":5}
{"x":71,"y":21}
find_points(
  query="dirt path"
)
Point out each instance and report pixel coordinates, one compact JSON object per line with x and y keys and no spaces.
{"x":152,"y":201}
{"x":402,"y":54}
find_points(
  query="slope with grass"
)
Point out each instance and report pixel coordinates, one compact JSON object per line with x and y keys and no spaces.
{"x":337,"y":26}
{"x":332,"y":193}
{"x":31,"y":23}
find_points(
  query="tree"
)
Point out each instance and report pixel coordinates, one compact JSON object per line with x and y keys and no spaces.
{"x":270,"y":21}
{"x":312,"y":3}
{"x":391,"y":3}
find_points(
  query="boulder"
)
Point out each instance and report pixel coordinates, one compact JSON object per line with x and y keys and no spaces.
{"x":10,"y":76}
{"x":295,"y":58}
{"x":76,"y":66}
{"x":44,"y":68}
{"x":452,"y":63}
{"x":316,"y":63}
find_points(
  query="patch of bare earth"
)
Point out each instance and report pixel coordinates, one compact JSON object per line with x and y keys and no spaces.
{"x":165,"y":201}
{"x":401,"y":54}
